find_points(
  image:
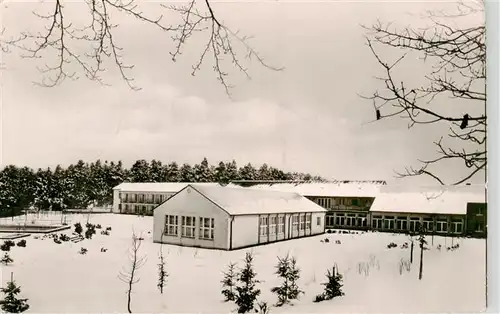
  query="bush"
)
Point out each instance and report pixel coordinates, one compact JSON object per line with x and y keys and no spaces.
{"x":21,"y":243}
{"x":328,"y":231}
{"x":105,"y":232}
{"x":98,"y":226}
{"x":10,"y":243}
{"x":333,"y":287}
{"x":64,"y":237}
{"x":78,"y":228}
{"x":6,"y":259}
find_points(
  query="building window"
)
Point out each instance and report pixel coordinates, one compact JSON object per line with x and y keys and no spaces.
{"x":272,"y":225}
{"x":206,"y":228}
{"x":263,"y":226}
{"x":414,"y":224}
{"x":188,"y":226}
{"x":457,"y":225}
{"x":479,"y":227}
{"x":428,"y":224}
{"x":350,"y":220}
{"x":401,"y":223}
{"x":295,"y":223}
{"x":171,"y":223}
{"x":340,"y":219}
{"x":281,"y":224}
{"x":361,"y":220}
{"x":330,"y":220}
{"x":308,"y":221}
{"x":318,"y":221}
{"x":389,"y":222}
{"x":479,"y":211}
{"x":441,"y":225}
{"x":302,"y":222}
{"x":377,"y":222}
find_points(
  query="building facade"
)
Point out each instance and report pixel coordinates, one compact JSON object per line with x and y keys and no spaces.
{"x":227,"y":218}
{"x":143,"y":198}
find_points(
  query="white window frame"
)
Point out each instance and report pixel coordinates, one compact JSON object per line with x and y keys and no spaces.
{"x":188,"y":230}
{"x":281,"y":224}
{"x":302,"y":222}
{"x":308,"y":221}
{"x":295,"y":222}
{"x":389,"y":223}
{"x":318,"y":221}
{"x":207,"y":225}
{"x":377,"y":222}
{"x":171,"y":225}
{"x":428,"y":225}
{"x":263,"y":225}
{"x":454,"y":226}
{"x":440,"y":224}
{"x":272,"y":225}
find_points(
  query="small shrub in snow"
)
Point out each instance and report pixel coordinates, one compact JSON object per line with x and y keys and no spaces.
{"x":64,"y":237}
{"x":78,"y":228}
{"x":11,"y":304}
{"x":328,"y":231}
{"x":333,"y":287}
{"x":6,"y":259}
{"x":404,"y":265}
{"x":98,"y":226}
{"x":5,"y":247}
{"x":108,"y":228}
{"x":404,"y":245}
{"x":105,"y":232}
{"x":338,"y":242}
{"x":288,"y":271}
{"x":9,"y":243}
{"x":56,"y":240}
{"x":229,"y":283}
{"x":104,"y":250}
{"x":263,"y":308}
{"x":391,"y":245}
{"x":162,"y":273}
{"x":364,"y":269}
{"x":345,"y":231}
{"x":90,"y":231}
{"x":83,"y":251}
{"x":21,"y":243}
{"x":246,"y":292}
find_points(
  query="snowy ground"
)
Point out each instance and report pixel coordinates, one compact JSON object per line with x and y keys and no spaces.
{"x":57,"y":279}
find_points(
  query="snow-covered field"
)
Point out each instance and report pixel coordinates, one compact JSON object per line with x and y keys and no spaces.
{"x":56,"y":279}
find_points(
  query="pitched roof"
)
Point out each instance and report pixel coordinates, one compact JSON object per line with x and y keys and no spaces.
{"x":242,"y":201}
{"x":431,"y":200}
{"x":331,"y":189}
{"x":159,"y":187}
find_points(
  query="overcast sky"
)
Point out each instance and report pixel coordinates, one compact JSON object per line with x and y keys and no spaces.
{"x":306,"y":118}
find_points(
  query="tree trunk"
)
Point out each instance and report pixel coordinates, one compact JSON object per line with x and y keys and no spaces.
{"x":421,"y":262}
{"x":411,"y":252}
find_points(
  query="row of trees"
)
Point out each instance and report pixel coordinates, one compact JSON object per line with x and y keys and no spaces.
{"x":83,"y":184}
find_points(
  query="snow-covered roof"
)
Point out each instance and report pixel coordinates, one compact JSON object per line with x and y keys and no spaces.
{"x":431,"y":200}
{"x":331,"y":189}
{"x":242,"y":201}
{"x":159,"y":187}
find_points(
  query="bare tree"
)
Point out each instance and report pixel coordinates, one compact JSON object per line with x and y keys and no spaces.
{"x":62,"y":37}
{"x":458,"y":71}
{"x":162,"y":273}
{"x":129,"y":275}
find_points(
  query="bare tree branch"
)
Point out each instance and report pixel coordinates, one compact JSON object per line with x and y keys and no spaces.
{"x":458,"y":71}
{"x":129,"y":275}
{"x":61,"y":38}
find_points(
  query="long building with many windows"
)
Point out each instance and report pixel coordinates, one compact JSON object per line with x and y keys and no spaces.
{"x":141,"y":198}
{"x":439,"y":210}
{"x":347,"y":202}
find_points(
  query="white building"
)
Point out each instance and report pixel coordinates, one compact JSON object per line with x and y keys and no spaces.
{"x":142,"y":198}
{"x":232,"y":218}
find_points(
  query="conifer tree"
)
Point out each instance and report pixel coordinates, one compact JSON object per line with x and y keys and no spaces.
{"x":6,"y":259}
{"x":229,"y":283}
{"x":246,"y":292}
{"x":11,"y":304}
{"x":333,"y":287}
{"x":287,"y":270}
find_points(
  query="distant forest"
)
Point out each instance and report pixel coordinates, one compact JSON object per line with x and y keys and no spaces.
{"x":83,"y":184}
